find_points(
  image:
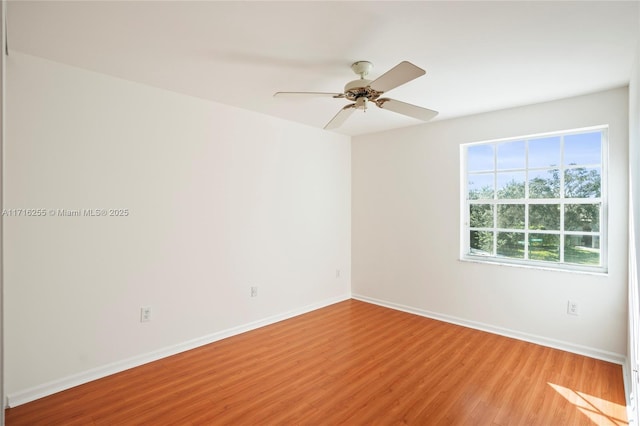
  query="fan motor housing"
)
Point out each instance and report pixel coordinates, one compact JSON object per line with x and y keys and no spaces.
{"x":360,"y":89}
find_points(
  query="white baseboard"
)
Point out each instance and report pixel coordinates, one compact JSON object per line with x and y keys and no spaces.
{"x":68,"y":382}
{"x":539,"y":340}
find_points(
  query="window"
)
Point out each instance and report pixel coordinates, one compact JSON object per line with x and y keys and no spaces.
{"x":537,"y":200}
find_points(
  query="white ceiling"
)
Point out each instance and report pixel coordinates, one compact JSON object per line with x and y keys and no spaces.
{"x":479,"y":56}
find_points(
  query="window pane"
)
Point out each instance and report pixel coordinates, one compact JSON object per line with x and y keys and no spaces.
{"x":510,"y":185}
{"x":480,"y":157}
{"x":582,"y":182}
{"x":544,"y":216}
{"x":582,"y":249}
{"x":511,"y":216}
{"x":480,"y":186}
{"x":511,"y":155}
{"x":544,"y":184}
{"x":582,"y":217}
{"x":544,"y":247}
{"x":511,"y":244}
{"x":544,"y":152}
{"x":584,"y":148}
{"x":481,"y":215}
{"x":481,"y":243}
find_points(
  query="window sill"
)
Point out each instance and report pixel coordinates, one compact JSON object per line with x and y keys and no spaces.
{"x":573,"y":270}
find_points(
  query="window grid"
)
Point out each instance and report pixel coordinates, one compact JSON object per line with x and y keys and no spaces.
{"x":562,"y":202}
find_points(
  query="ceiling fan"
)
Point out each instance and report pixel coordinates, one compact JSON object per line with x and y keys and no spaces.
{"x":362,"y":92}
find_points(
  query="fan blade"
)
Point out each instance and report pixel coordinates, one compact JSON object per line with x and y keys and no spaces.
{"x":406,"y":109}
{"x":339,"y":119}
{"x":308,"y":94}
{"x":402,"y":73}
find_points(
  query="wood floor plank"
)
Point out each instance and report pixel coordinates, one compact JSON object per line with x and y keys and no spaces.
{"x":350,"y":363}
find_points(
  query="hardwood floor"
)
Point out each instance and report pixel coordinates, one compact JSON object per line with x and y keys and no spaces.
{"x":348,"y":364}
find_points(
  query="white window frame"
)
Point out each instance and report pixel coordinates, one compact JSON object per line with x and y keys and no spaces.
{"x":465,"y":229}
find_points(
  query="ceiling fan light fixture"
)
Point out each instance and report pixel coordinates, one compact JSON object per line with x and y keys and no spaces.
{"x":362,"y":103}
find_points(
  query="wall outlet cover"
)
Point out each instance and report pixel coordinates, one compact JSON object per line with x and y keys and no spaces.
{"x":573,"y":307}
{"x":145,"y":314}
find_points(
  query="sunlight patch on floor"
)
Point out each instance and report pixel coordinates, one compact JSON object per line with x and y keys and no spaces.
{"x":598,"y":410}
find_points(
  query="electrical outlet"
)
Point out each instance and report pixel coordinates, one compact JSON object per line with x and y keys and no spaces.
{"x":254,"y":291}
{"x":573,"y":308}
{"x":145,"y":314}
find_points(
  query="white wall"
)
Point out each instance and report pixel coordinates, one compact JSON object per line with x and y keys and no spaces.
{"x":634,"y":141}
{"x":3,"y":11}
{"x":634,"y":147}
{"x":220,"y":199}
{"x":406,"y":231}
{"x":634,"y":234}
